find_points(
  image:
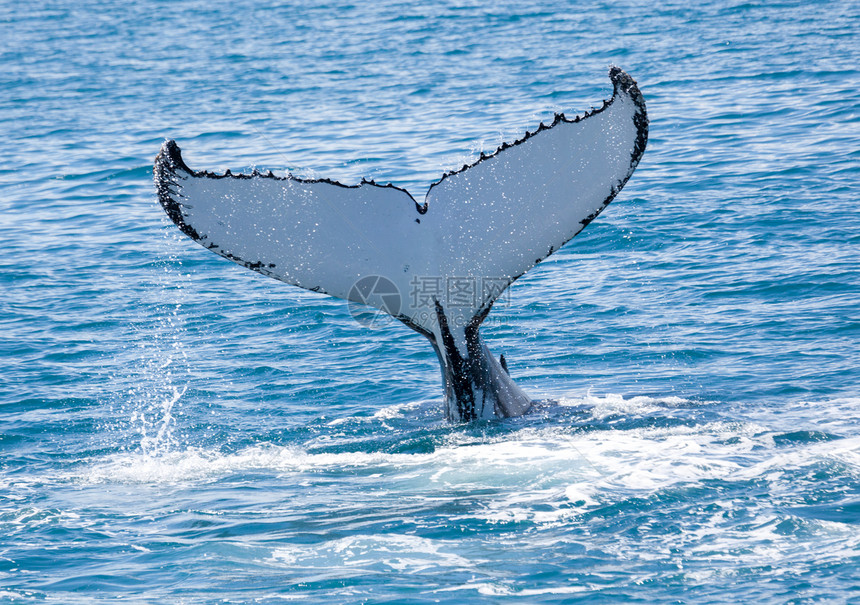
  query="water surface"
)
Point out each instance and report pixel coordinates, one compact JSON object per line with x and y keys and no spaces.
{"x":177,"y":429}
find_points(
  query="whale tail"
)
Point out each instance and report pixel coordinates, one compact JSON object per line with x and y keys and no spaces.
{"x":437,"y":265}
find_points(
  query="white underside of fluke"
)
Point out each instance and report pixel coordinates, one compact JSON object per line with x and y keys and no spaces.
{"x":477,"y":230}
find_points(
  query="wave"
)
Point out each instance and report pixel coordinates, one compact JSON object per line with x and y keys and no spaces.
{"x":540,"y":471}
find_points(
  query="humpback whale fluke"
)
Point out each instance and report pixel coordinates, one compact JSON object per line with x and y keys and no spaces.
{"x":478,"y":229}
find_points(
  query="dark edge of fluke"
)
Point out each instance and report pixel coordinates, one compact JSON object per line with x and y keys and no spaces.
{"x":170,"y":159}
{"x":168,"y":165}
{"x":622,"y":82}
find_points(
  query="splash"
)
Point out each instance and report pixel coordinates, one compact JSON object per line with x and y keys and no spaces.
{"x":148,"y":393}
{"x":156,"y":433}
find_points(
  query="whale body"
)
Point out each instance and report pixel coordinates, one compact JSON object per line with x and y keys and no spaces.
{"x":438,"y":265}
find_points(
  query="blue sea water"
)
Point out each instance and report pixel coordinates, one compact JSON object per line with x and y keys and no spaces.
{"x":176,"y":429}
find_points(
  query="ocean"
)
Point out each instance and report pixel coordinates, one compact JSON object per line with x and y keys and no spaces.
{"x":177,"y":429}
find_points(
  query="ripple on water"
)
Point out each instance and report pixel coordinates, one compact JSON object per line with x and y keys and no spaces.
{"x":178,"y":430}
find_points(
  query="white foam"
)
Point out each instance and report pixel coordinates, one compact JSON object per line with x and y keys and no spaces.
{"x":613,"y":404}
{"x":197,"y":464}
{"x":504,"y":590}
{"x":528,"y":592}
{"x":545,"y":475}
{"x":484,"y":588}
{"x":387,"y":413}
{"x":11,"y":594}
{"x":396,"y":411}
{"x":399,"y":552}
